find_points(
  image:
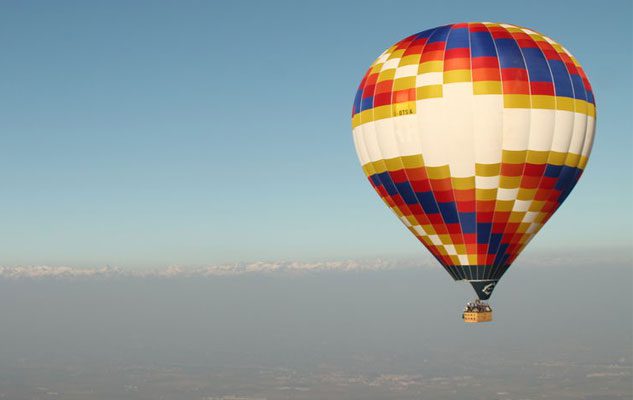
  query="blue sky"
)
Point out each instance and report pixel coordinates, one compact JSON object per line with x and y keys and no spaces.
{"x":188,"y":132}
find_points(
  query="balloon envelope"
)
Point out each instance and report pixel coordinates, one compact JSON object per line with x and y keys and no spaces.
{"x":474,"y":134}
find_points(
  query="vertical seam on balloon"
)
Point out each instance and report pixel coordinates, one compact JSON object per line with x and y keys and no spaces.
{"x":486,"y":272}
{"x":381,"y":152}
{"x":586,"y":119}
{"x":474,"y":138}
{"x":462,"y":270}
{"x":363,"y":131}
{"x":551,"y":141}
{"x":404,"y":170}
{"x":443,"y":263}
{"x":393,"y":125}
{"x":392,"y":119}
{"x":417,"y":117}
{"x":432,"y":191}
{"x":502,"y":266}
{"x":446,"y":265}
{"x":472,"y":132}
{"x":492,"y":268}
{"x":551,"y":213}
{"x":577,"y":171}
{"x":578,"y":67}
{"x":361,"y":87}
{"x":459,"y":222}
{"x":573,"y":126}
{"x":595,"y":110}
{"x":513,"y":256}
{"x":595,"y":115}
{"x":380,"y":149}
{"x":529,"y":128}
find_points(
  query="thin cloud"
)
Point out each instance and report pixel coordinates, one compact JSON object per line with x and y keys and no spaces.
{"x":258,"y":267}
{"x":544,"y":259}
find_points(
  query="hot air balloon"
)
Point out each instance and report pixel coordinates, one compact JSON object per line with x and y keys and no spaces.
{"x":474,"y":134}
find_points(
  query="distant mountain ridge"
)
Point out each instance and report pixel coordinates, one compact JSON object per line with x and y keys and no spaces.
{"x":543,"y":260}
{"x":258,"y":267}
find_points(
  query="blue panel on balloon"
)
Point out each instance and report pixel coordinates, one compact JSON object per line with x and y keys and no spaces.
{"x":357,"y":100}
{"x":537,"y":67}
{"x":483,"y":232}
{"x":367,"y":103}
{"x":440,"y":34}
{"x":493,"y":245}
{"x":501,"y":253}
{"x":590,"y":97}
{"x":427,"y":200}
{"x":386,"y":181}
{"x":482,"y":45}
{"x":407,"y":193}
{"x":458,"y":39}
{"x":449,"y":213}
{"x":562,"y":82}
{"x":566,"y":177}
{"x":552,"y":171}
{"x":509,"y":54}
{"x":375,"y":180}
{"x":468,"y":221}
{"x":579,"y":88}
{"x":425,"y":34}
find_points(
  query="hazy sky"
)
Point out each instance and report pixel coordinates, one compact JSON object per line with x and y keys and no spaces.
{"x":250,"y":335}
{"x":141,"y":133}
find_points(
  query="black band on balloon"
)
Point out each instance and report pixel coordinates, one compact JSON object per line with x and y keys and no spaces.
{"x":484,"y":288}
{"x":476,"y":272}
